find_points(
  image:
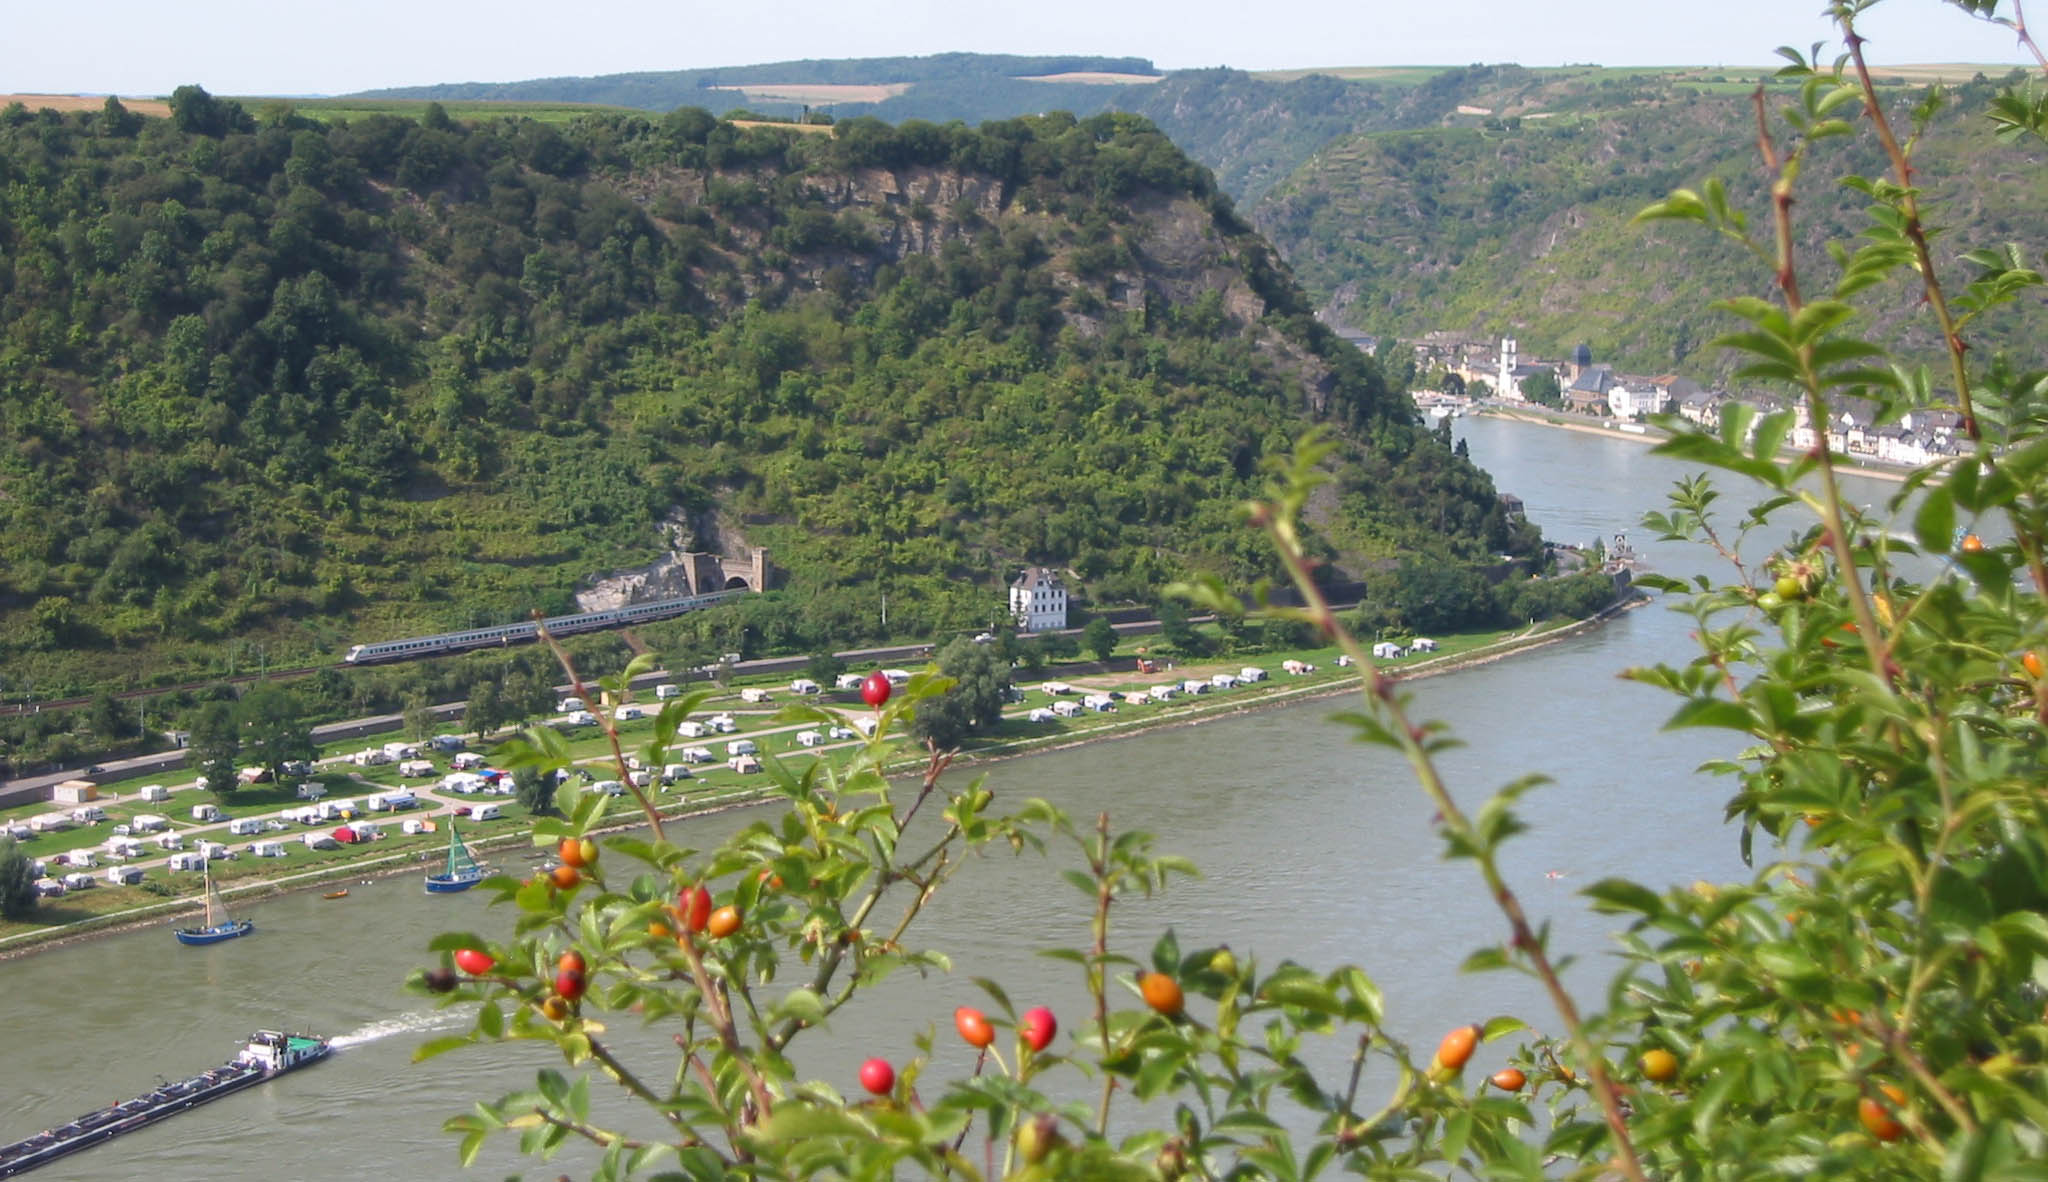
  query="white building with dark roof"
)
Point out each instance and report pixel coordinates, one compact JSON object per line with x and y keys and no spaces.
{"x":1039,"y":600}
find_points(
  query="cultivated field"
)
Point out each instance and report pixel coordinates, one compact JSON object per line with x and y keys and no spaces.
{"x":822,"y":92}
{"x":1096,"y":78}
{"x":84,"y":102}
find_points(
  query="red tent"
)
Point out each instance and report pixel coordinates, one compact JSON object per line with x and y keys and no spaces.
{"x":346,"y":835}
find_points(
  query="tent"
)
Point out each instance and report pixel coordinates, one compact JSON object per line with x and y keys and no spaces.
{"x":345,"y":835}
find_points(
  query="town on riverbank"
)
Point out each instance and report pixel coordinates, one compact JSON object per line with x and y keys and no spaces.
{"x":128,"y":855}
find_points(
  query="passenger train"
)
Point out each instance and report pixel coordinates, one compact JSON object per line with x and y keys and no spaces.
{"x":455,"y":642}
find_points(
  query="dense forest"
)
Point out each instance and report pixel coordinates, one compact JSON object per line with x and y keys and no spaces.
{"x":269,"y":386}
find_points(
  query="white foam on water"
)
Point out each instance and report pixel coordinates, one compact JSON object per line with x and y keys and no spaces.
{"x":412,"y":1023}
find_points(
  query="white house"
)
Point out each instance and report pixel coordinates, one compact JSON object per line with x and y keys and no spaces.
{"x":1038,"y":600}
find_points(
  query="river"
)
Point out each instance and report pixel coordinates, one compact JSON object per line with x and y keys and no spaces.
{"x":1312,"y":847}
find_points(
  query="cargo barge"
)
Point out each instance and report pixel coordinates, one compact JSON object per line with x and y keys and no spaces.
{"x":269,"y":1053}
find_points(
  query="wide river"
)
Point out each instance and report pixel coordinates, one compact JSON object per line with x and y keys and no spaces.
{"x":1312,"y":847}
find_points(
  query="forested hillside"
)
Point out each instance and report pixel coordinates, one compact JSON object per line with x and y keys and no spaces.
{"x":1489,"y":199}
{"x":275,"y":387}
{"x":1516,"y":224}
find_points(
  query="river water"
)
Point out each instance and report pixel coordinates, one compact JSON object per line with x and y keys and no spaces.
{"x":1312,"y":846}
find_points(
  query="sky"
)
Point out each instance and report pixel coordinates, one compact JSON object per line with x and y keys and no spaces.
{"x":263,"y":47}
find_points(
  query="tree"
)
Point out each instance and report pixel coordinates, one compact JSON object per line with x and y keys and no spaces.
{"x":981,"y":686}
{"x":109,"y":719}
{"x":418,"y":717}
{"x":534,"y":788}
{"x":217,"y":748}
{"x":274,"y":729}
{"x":1099,"y":637}
{"x":485,"y":712}
{"x":824,"y":667}
{"x":17,"y":880}
{"x":1178,"y":634}
{"x":1541,"y":388}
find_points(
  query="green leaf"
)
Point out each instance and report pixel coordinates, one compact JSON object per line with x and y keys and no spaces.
{"x":1615,"y":895}
{"x":1934,"y":523}
{"x":1711,"y":712}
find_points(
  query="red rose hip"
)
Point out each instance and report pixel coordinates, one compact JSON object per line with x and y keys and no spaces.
{"x":1037,"y":1027}
{"x":877,"y":1076}
{"x":875,"y":689}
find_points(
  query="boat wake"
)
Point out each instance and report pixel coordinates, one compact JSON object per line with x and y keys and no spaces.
{"x":413,"y":1023}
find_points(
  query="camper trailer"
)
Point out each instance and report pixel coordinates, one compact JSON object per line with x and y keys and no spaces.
{"x":194,"y":862}
{"x":742,"y":747}
{"x":154,"y":793}
{"x":267,"y":849}
{"x":804,"y":685}
{"x":753,"y":694}
{"x":809,"y":738}
{"x":487,"y":812}
{"x":124,"y":875}
{"x":416,"y":767}
{"x":665,"y":691}
{"x":245,"y":826}
{"x":744,"y":764}
{"x":148,"y":823}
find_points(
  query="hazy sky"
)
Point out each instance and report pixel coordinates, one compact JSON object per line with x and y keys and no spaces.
{"x":248,"y":47}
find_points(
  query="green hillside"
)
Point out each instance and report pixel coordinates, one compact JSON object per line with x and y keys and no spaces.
{"x":1518,"y":222}
{"x":280,"y":386}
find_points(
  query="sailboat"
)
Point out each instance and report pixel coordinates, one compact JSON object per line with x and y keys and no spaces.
{"x":462,"y":872}
{"x":219,"y":924}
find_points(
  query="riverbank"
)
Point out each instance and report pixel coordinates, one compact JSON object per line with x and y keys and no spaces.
{"x":1197,"y":711}
{"x":1652,"y":435}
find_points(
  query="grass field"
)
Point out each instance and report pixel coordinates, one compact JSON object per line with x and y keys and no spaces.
{"x":85,"y":102}
{"x":458,"y":110}
{"x":818,"y":93}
